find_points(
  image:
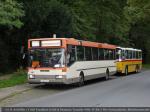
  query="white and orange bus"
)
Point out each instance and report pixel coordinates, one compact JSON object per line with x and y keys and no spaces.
{"x":68,"y":60}
{"x":128,"y":60}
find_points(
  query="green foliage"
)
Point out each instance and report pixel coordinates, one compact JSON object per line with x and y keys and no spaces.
{"x":109,"y":19}
{"x":46,"y":18}
{"x":82,"y":19}
{"x":138,"y":10}
{"x":10,"y":13}
{"x":138,"y":14}
{"x":120,"y":22}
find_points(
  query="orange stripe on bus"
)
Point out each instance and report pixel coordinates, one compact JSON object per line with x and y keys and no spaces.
{"x":89,"y":44}
{"x":108,"y":46}
{"x":72,"y":41}
{"x":130,"y":61}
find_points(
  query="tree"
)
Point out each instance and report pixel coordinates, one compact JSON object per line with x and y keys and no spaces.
{"x":110,"y":20}
{"x":10,"y":18}
{"x":138,"y":13}
{"x":10,"y":13}
{"x":120,"y":22}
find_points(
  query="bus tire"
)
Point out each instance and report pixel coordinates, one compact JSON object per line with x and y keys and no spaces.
{"x":137,"y":69}
{"x":107,"y":75}
{"x":81,"y":80}
{"x":126,"y":70}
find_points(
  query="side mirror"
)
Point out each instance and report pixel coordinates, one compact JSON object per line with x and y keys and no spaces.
{"x":23,"y":56}
{"x":22,"y":52}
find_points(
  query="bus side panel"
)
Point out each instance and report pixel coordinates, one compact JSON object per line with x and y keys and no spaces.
{"x":91,"y":69}
{"x":130,"y":64}
{"x":120,"y":66}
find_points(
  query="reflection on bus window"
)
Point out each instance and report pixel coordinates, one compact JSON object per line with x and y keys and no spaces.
{"x":110,"y":54}
{"x":129,"y":54}
{"x":101,"y":54}
{"x":71,"y":55}
{"x":46,"y":57}
{"x":88,"y":53}
{"x":106,"y":54}
{"x":80,"y":53}
{"x":140,"y":55}
{"x":95,"y":53}
{"x":137,"y":53}
{"x":123,"y":55}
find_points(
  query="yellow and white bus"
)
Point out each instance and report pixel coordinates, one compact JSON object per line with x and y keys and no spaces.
{"x":128,"y":60}
{"x":68,"y":60}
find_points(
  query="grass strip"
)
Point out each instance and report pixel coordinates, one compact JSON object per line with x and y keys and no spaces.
{"x":16,"y":78}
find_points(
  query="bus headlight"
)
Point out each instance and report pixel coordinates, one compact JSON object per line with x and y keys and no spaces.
{"x":31,"y":76}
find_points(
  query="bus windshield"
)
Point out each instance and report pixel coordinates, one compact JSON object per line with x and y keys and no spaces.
{"x":46,"y":57}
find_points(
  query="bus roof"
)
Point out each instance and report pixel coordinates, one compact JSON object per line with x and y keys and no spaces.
{"x":74,"y":41}
{"x":130,"y":49}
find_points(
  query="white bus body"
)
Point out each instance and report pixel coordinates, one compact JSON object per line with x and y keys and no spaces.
{"x":63,"y":74}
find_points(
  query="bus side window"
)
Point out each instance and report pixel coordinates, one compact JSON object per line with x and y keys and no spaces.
{"x":123,"y":54}
{"x":114,"y":54}
{"x":71,"y":55}
{"x":101,"y":54}
{"x":110,"y":54}
{"x":140,"y":55}
{"x":106,"y":54}
{"x":88,"y":54}
{"x":137,"y":53}
{"x":127,"y":54}
{"x":118,"y":53}
{"x":95,"y":53}
{"x":80,"y":53}
{"x":134,"y":54}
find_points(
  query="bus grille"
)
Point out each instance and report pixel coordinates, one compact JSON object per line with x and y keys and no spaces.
{"x":45,"y":76}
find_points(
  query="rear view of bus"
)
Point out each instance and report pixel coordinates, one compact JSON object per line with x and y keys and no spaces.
{"x":46,"y":60}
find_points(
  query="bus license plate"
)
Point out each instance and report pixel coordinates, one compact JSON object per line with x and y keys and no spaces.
{"x":44,"y":80}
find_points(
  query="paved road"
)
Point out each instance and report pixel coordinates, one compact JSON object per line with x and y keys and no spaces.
{"x":132,"y":90}
{"x":21,"y":93}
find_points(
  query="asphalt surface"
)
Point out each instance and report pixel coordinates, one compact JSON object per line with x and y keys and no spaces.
{"x":126,"y":91}
{"x":22,"y":93}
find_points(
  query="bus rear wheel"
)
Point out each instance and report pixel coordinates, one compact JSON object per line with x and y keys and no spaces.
{"x":126,"y":70}
{"x":107,"y":75}
{"x":137,"y":69}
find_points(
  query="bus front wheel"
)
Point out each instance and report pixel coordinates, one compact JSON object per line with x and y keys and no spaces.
{"x":81,"y":80}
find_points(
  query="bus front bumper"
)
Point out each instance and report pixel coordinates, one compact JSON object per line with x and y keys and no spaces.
{"x":53,"y":81}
